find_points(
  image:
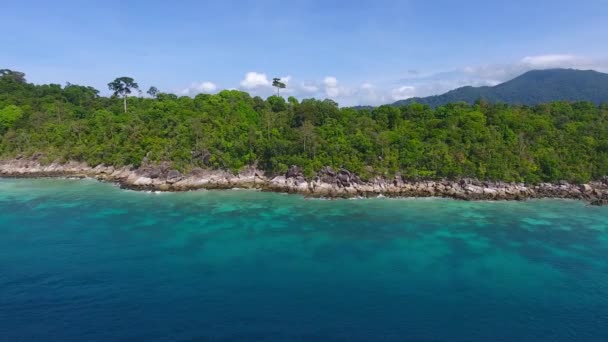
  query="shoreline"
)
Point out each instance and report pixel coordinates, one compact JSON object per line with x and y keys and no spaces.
{"x":327,"y":184}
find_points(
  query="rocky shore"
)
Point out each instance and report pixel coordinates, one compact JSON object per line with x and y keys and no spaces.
{"x":328,"y":183}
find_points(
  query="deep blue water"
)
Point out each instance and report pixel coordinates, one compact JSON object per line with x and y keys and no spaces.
{"x":86,"y":261}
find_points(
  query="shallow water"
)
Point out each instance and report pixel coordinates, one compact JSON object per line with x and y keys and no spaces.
{"x":82,"y":260}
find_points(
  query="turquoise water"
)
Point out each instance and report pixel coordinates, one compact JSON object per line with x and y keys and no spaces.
{"x":86,"y":261}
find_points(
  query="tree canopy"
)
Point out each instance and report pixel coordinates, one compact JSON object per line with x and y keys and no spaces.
{"x":122,"y":86}
{"x":231,"y":129}
{"x":276,"y":82}
{"x":152,"y":91}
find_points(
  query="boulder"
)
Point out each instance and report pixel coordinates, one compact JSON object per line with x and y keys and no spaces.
{"x":327,"y":175}
{"x":154,"y":173}
{"x":586,"y":188}
{"x":294,"y":171}
{"x":173,"y":176}
{"x":328,"y":170}
{"x":344,"y":177}
{"x":465,"y":181}
{"x":250,"y":171}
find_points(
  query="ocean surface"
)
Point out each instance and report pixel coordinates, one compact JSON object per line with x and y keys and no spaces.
{"x":87,"y":261}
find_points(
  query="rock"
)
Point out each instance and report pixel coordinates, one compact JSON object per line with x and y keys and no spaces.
{"x":344,"y":172}
{"x":142,"y":181}
{"x":173,"y":176}
{"x":250,"y":171}
{"x":328,"y":170}
{"x":154,"y":173}
{"x":344,"y":177}
{"x":465,"y":181}
{"x":327,"y":175}
{"x":294,"y":171}
{"x":474,"y":189}
{"x":278,"y":180}
{"x":328,"y":182}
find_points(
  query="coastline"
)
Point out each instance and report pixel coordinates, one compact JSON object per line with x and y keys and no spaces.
{"x":327,"y":184}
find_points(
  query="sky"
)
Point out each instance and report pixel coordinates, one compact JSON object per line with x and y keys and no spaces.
{"x":354,"y":52}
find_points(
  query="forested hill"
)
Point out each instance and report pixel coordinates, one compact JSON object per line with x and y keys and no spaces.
{"x":533,"y":87}
{"x":231,"y":130}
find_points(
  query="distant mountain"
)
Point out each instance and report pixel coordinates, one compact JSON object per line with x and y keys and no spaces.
{"x":533,"y":87}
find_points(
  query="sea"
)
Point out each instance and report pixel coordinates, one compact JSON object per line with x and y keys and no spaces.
{"x":82,"y":260}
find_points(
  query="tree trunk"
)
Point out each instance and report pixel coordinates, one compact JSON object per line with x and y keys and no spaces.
{"x":125,"y":102}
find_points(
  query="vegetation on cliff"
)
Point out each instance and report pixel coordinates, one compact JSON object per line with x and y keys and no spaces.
{"x":231,"y":129}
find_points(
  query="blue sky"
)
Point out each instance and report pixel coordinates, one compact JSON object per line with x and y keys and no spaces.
{"x":356,"y":52}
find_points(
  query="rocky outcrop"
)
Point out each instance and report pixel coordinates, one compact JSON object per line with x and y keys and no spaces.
{"x":328,"y":182}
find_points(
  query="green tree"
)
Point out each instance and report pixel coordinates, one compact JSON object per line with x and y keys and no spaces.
{"x":153,"y":91}
{"x":276,"y":82}
{"x":8,"y":116}
{"x":122,"y":86}
{"x":13,"y":75}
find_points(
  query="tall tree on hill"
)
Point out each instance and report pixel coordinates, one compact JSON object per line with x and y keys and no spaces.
{"x":153,"y":91}
{"x":122,"y":87}
{"x":13,"y":75}
{"x":276,"y":82}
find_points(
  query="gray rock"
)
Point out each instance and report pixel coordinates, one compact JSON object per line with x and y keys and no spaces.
{"x":154,"y":173}
{"x":328,"y":170}
{"x":294,"y":171}
{"x":173,"y":176}
{"x":344,"y":177}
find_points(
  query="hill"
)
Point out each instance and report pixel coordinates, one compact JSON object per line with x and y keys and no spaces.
{"x":234,"y":131}
{"x":531,"y":88}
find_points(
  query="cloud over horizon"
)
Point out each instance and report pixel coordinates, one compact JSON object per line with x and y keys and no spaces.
{"x":254,"y":80}
{"x":415,"y":83}
{"x":199,"y":88}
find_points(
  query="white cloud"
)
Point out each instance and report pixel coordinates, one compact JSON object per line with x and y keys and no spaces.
{"x":309,"y":87}
{"x":331,"y":87}
{"x":498,"y":73}
{"x":199,"y":87}
{"x":254,"y":80}
{"x":289,"y":89}
{"x":403,"y":92}
{"x":206,"y":87}
{"x":492,"y":74}
{"x":332,"y":92}
{"x":330,"y":82}
{"x":414,"y":83}
{"x":370,"y":94}
{"x":545,"y":61}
